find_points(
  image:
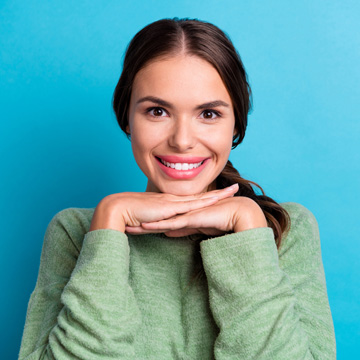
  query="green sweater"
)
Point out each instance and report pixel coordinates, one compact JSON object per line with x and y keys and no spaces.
{"x":105,"y":295}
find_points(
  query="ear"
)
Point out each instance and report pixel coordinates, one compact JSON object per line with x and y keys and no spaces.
{"x":127,"y":129}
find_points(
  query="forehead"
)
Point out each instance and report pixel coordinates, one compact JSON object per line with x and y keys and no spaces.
{"x":180,"y":78}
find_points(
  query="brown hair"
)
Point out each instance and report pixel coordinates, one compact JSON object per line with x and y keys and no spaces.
{"x":168,"y":37}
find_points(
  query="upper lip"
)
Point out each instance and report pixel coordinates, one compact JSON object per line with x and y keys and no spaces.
{"x":182,"y":159}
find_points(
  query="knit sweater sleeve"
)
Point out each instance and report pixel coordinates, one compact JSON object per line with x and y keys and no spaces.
{"x":82,"y":306}
{"x":269,"y":304}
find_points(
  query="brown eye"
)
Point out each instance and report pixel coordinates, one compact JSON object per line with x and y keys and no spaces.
{"x":210,"y":114}
{"x":157,"y":112}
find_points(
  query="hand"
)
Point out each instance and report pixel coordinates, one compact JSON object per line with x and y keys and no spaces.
{"x":232,"y":214}
{"x":130,"y":210}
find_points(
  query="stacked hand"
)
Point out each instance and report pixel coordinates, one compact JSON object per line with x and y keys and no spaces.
{"x":212,"y":213}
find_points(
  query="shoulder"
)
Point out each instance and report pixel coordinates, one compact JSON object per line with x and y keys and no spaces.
{"x":62,"y":244}
{"x":301,"y":219}
{"x":69,"y":224}
{"x":298,"y":212}
{"x":302,"y":238}
{"x":73,"y":218}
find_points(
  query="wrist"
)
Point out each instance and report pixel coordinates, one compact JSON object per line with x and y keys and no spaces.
{"x":108,"y":215}
{"x":249,"y":216}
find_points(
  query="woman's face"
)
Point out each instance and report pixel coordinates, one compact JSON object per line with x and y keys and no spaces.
{"x":181,"y":122}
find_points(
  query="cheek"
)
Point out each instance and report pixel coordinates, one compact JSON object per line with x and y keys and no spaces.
{"x":221,"y":141}
{"x":140,"y":144}
{"x":140,"y":152}
{"x":143,"y":141}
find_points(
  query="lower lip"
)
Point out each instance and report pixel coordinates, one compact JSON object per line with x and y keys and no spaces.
{"x":182,"y":174}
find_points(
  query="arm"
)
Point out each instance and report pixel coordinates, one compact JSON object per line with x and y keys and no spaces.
{"x":82,"y":306}
{"x":269,"y":305}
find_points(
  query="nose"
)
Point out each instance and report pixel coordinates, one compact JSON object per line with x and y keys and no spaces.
{"x":182,"y":137}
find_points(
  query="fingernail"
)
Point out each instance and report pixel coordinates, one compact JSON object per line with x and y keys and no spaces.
{"x":232,"y":187}
{"x":214,"y":197}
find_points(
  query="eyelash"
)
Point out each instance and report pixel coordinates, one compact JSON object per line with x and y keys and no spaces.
{"x":216,"y":113}
{"x":148,"y":110}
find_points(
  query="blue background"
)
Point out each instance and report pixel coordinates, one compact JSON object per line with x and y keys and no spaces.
{"x":60,"y":145}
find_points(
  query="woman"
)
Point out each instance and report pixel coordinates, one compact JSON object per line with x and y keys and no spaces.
{"x":199,"y":266}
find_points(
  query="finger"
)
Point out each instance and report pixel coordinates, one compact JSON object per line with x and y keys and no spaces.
{"x":213,"y":197}
{"x":191,"y":231}
{"x":221,"y":193}
{"x":226,"y":192}
{"x":133,"y":229}
{"x":183,"y":207}
{"x":138,"y":230}
{"x":174,"y":223}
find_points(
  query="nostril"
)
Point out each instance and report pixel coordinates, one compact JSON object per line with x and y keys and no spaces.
{"x":182,"y":138}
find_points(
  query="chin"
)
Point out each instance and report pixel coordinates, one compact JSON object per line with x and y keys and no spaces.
{"x":183,"y":189}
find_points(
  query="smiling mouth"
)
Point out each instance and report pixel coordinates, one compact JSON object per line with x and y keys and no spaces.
{"x":181,"y":166}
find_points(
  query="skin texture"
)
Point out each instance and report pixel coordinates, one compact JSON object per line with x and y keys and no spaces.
{"x":182,"y":128}
{"x":179,"y":107}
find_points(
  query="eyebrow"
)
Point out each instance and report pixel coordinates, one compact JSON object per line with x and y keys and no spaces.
{"x":161,"y":102}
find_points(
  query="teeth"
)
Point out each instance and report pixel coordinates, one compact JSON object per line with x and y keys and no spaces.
{"x":181,"y":166}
